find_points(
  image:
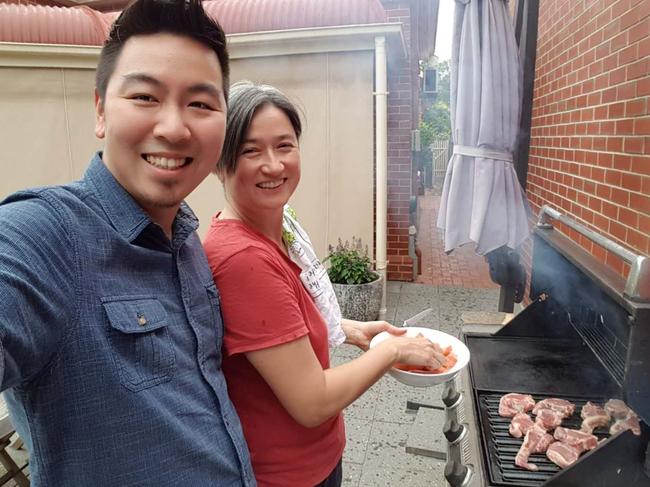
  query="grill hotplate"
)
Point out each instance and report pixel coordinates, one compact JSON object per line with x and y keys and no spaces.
{"x":542,"y":366}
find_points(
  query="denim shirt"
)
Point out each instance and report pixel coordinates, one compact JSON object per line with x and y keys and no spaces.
{"x":110,"y":341}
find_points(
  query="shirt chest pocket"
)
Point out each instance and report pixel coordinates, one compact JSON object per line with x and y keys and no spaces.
{"x":140,"y":341}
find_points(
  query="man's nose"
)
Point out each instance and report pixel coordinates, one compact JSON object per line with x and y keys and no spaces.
{"x":172,"y":126}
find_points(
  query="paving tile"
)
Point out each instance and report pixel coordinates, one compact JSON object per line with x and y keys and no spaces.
{"x":357,"y":433}
{"x":351,"y":474}
{"x":387,"y":450}
{"x":346,"y":351}
{"x":390,"y":401}
{"x":393,"y":286}
{"x":383,"y":477}
{"x":392,"y":398}
{"x":392,"y":300}
{"x":425,"y":437}
{"x":364,"y":407}
{"x":409,"y":288}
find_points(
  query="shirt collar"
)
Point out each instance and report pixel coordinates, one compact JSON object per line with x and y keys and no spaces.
{"x":126,"y":216}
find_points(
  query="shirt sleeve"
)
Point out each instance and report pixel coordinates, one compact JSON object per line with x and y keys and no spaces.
{"x":259,"y":304}
{"x":37,"y":289}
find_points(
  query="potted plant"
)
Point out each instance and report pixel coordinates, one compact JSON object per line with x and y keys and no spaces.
{"x":357,"y":287}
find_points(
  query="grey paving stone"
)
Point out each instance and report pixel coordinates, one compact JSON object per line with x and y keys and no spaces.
{"x":336,"y":360}
{"x":390,"y":315}
{"x":351,"y":474}
{"x":387,"y":450}
{"x":392,"y":300}
{"x":393,"y":286}
{"x":421,"y":289}
{"x":346,"y":351}
{"x":425,"y":301}
{"x":364,"y":407}
{"x":357,"y":433}
{"x":384,"y":477}
{"x":391,"y":401}
{"x":425,"y":437}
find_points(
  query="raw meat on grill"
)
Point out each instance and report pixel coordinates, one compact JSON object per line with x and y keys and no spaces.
{"x":520,"y":425}
{"x":548,"y":419}
{"x":537,"y":440}
{"x":562,"y":406}
{"x":629,"y":423}
{"x":593,"y":416}
{"x":513,"y":403}
{"x":617,"y":409}
{"x":578,"y":439}
{"x":562,"y":454}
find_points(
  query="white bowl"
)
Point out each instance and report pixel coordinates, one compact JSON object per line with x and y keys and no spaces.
{"x":426,"y":380}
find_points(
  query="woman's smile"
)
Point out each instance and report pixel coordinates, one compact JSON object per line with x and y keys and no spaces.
{"x":271,"y":184}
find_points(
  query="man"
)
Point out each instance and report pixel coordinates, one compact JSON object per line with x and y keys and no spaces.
{"x":110,"y":329}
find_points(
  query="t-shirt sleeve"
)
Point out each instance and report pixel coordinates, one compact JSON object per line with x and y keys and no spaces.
{"x":259,"y":304}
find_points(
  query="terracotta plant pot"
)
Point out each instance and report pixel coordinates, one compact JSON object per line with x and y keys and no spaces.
{"x":360,"y":302}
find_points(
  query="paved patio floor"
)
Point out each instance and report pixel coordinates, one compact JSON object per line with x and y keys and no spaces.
{"x":378,"y":424}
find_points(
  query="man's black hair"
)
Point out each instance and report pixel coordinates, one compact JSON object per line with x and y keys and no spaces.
{"x":146,"y":17}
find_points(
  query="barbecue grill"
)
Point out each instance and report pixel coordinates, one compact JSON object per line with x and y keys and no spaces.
{"x":584,"y":337}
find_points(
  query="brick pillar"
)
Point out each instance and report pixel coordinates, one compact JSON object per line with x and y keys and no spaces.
{"x":400,"y":123}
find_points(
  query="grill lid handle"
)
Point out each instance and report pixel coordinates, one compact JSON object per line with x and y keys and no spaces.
{"x":637,"y":287}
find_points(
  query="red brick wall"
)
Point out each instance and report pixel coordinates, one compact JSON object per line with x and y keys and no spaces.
{"x":402,"y":111}
{"x":590,"y":138}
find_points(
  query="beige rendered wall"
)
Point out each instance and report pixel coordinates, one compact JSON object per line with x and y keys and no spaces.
{"x":47,"y":120}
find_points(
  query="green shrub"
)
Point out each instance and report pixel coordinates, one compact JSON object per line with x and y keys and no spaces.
{"x":349,"y":263}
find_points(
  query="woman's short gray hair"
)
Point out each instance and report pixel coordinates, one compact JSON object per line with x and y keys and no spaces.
{"x":244,"y":100}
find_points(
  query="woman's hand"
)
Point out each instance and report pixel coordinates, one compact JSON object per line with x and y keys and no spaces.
{"x":416,"y":351}
{"x":360,"y":333}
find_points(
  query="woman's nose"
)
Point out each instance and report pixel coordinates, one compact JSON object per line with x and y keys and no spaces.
{"x":272,"y":163}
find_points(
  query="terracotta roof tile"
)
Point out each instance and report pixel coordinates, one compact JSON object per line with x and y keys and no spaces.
{"x":84,"y":26}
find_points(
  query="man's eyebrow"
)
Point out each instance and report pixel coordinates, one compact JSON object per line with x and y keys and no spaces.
{"x":207,"y":88}
{"x":132,"y":78}
{"x":198,"y":88}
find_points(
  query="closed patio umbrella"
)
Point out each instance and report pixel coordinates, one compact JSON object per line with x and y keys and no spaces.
{"x":482,"y":201}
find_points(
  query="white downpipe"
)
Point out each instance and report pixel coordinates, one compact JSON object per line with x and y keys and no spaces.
{"x":381,"y":137}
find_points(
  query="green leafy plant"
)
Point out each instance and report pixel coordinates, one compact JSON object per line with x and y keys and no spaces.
{"x":349,"y":263}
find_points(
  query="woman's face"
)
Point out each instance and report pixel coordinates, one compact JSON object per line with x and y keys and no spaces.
{"x":268,"y":165}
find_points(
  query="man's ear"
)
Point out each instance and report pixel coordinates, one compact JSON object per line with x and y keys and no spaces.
{"x":100,"y":120}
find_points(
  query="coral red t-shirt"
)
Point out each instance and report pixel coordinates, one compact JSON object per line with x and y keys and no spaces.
{"x":264,"y":304}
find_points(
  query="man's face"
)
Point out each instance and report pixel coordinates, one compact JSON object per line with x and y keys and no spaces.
{"x":163,"y":118}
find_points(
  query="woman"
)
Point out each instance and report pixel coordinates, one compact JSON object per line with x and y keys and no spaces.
{"x":276,"y":358}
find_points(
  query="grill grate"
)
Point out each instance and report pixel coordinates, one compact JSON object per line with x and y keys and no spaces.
{"x":609,"y":349}
{"x":501,"y":448}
